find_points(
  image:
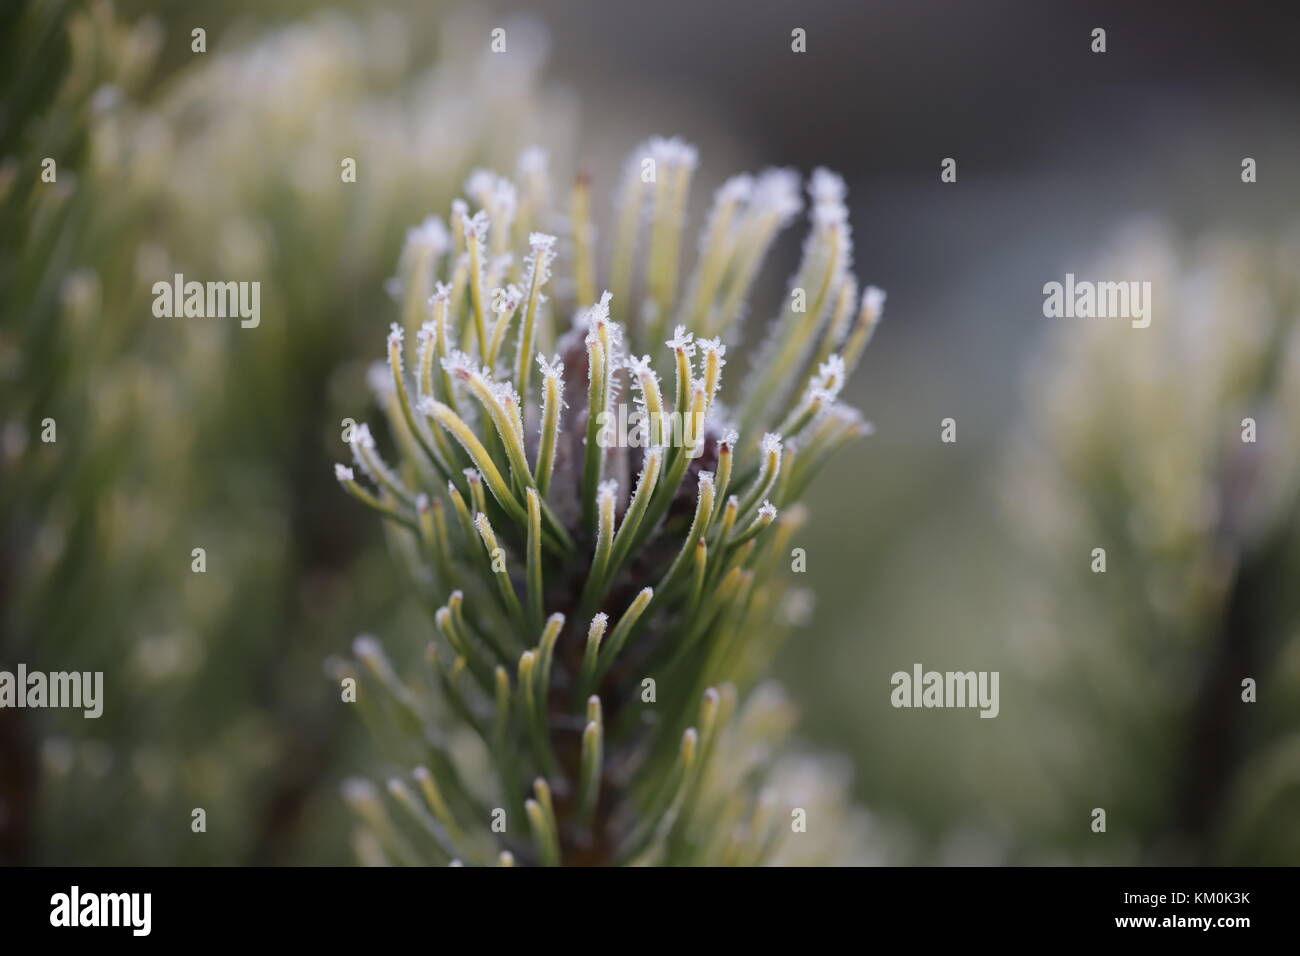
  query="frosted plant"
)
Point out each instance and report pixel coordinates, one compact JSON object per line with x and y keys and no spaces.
{"x":1174,"y":449}
{"x":603,"y":608}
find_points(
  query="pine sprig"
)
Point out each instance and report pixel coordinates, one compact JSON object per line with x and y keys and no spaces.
{"x":601,"y":598}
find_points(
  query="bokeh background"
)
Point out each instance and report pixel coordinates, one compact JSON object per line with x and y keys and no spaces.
{"x":1118,"y":691}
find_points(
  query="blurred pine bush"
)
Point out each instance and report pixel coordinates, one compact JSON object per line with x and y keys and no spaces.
{"x":1176,"y":449}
